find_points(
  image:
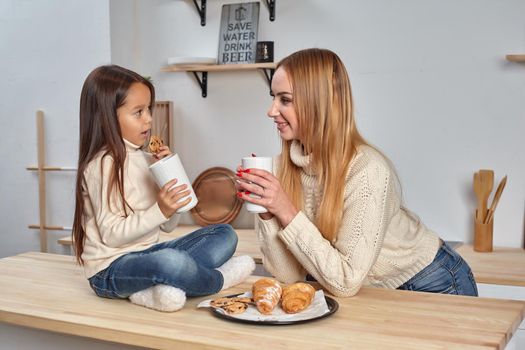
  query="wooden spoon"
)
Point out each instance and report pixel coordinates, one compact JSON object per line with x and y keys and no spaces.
{"x":495,"y":200}
{"x":487,"y":181}
{"x":478,"y":190}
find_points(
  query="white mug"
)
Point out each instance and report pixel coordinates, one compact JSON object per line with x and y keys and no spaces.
{"x":264,"y":163}
{"x":169,"y":168}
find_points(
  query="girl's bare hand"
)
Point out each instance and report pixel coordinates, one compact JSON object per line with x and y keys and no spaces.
{"x":164,"y":151}
{"x":172,"y":199}
{"x":265,"y":185}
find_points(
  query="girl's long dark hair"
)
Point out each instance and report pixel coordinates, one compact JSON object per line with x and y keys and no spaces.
{"x":103,"y":92}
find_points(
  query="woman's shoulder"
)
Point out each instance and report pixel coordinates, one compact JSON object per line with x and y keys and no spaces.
{"x":369,"y":160}
{"x":369,"y":167}
{"x":368,"y":156}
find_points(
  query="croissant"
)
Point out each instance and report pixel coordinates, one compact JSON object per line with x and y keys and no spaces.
{"x":297,"y":297}
{"x":266,"y":293}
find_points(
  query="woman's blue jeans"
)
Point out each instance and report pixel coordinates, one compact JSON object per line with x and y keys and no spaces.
{"x":188,"y":262}
{"x":447,"y":274}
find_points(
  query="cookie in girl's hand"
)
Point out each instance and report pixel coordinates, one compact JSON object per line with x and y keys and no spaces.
{"x":155,"y":143}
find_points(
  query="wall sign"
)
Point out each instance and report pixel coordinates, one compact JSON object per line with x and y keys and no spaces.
{"x":238,"y":33}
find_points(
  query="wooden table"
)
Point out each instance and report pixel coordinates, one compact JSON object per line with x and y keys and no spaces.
{"x":504,"y":266}
{"x":49,"y":292}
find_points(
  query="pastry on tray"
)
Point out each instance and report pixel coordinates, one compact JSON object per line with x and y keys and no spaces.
{"x":266,"y":293}
{"x":297,"y":297}
{"x":232,"y":305}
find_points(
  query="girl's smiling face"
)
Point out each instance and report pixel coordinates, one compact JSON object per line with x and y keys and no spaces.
{"x":282,"y":109}
{"x":134,"y":116}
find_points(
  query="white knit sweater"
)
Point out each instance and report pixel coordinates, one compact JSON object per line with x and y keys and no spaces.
{"x":379,"y":243}
{"x":109,"y":233}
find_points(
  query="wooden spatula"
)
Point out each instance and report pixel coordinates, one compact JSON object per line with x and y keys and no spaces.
{"x":495,"y":200}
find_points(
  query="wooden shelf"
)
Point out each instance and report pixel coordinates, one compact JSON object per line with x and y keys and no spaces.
{"x":267,"y":68}
{"x":217,"y":67}
{"x":52,"y":168}
{"x":515,"y":58}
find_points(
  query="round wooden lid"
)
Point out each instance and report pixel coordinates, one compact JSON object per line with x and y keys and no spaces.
{"x":217,"y":194}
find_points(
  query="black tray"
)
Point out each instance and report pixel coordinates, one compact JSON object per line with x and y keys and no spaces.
{"x":332,"y":307}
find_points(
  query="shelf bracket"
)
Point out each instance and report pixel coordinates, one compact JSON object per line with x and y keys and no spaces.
{"x":203,"y":82}
{"x":271,"y":9}
{"x":202,"y":11}
{"x":268,"y":74}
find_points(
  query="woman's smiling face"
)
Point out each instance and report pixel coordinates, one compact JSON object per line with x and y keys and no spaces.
{"x":282,"y":110}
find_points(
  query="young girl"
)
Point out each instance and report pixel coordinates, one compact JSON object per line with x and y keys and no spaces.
{"x":334,"y":209}
{"x":119,"y":211}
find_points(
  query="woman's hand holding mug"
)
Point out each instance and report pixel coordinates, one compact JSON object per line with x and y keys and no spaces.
{"x":263,"y":192}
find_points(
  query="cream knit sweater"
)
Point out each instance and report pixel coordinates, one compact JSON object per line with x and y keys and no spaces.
{"x":109,"y":234}
{"x":379,"y":243}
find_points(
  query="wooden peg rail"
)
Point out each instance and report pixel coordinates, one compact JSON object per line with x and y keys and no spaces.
{"x":41,"y":168}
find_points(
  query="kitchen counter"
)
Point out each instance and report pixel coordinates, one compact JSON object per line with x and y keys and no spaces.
{"x":504,"y":266}
{"x":49,"y":292}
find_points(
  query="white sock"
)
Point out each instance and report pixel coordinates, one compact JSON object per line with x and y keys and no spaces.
{"x":160,"y":297}
{"x":236,"y":270}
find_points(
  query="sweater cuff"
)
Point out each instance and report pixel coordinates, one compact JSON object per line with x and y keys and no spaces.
{"x":171,"y":224}
{"x":265,"y":226}
{"x":157,"y":214}
{"x":298,"y":224}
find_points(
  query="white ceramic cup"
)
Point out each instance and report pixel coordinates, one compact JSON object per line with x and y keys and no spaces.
{"x":264,"y":163}
{"x":169,"y":168}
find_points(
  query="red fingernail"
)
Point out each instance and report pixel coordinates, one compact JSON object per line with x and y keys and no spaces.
{"x":239,"y":174}
{"x":239,"y":194}
{"x":247,"y":192}
{"x":247,"y":171}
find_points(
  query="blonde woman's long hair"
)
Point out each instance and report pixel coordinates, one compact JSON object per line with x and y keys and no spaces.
{"x":322,"y":98}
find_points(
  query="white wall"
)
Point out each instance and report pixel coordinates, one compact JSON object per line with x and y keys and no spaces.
{"x":431,"y":88}
{"x":47,"y":48}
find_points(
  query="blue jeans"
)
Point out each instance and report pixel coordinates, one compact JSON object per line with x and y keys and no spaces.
{"x":187,"y":262}
{"x":447,"y":274}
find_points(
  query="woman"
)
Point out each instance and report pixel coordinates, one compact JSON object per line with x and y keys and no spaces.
{"x":334,"y":207}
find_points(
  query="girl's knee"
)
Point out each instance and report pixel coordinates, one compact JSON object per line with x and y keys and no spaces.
{"x":227,"y":231}
{"x":223,"y":228}
{"x":168,"y":260}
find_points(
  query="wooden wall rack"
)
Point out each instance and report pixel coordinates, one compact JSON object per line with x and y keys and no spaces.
{"x":163,"y":122}
{"x":41,"y":169}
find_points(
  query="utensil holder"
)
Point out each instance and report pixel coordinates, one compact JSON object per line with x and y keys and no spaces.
{"x":483,"y":236}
